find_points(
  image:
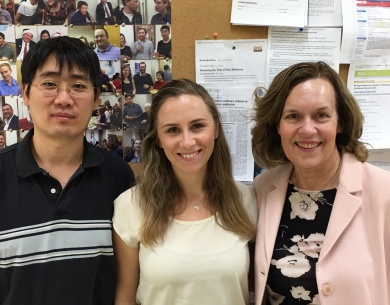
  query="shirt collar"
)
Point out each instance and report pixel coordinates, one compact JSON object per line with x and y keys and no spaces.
{"x":26,"y":165}
{"x":107,"y":49}
{"x":10,"y":119}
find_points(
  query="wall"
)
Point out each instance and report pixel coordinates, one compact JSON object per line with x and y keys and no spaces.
{"x":194,"y":20}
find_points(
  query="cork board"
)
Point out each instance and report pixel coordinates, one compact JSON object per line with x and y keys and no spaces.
{"x":198,"y":19}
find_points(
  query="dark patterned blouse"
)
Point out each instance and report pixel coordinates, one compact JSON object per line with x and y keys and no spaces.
{"x":305,"y":217}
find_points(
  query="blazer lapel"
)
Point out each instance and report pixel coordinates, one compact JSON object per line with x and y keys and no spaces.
{"x":274,"y":207}
{"x":346,"y":203}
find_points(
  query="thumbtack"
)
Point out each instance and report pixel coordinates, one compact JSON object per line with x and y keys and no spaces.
{"x":215,"y":35}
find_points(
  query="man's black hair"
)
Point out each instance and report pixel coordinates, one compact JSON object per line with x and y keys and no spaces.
{"x":81,"y":3}
{"x":165,"y":27}
{"x":69,"y":52}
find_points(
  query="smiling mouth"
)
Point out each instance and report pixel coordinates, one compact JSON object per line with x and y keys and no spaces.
{"x":304,"y":145}
{"x":190,"y":156}
{"x":62,"y":115}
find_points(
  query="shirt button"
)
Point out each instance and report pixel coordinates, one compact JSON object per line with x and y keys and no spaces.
{"x":53,"y":191}
{"x":327,"y":289}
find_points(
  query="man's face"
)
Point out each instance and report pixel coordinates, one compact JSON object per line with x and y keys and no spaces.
{"x":7,"y":112}
{"x":27,"y":37}
{"x":84,"y":9}
{"x":159,"y":6}
{"x":164,"y":33}
{"x":137,"y":145}
{"x":1,"y":41}
{"x":142,"y":68}
{"x":62,"y":115}
{"x":101,"y":38}
{"x":129,"y":100}
{"x":141,"y":34}
{"x":132,"y":4}
{"x":6,"y":73}
{"x":103,"y":1}
{"x":110,"y":143}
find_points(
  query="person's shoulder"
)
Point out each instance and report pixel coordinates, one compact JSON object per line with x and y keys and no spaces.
{"x":351,"y":165}
{"x":109,"y":157}
{"x":127,"y":195}
{"x":113,"y":48}
{"x":245,"y":189}
{"x":8,"y":158}
{"x":248,"y":200}
{"x":269,"y":176}
{"x":375,"y":172}
{"x":154,"y":19}
{"x":9,"y":150}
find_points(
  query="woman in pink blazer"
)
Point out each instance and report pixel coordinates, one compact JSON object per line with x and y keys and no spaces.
{"x":324,"y":214}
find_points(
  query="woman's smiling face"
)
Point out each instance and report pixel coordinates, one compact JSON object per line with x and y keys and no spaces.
{"x":186,"y":131}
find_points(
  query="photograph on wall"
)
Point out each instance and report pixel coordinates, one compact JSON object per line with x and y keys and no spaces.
{"x":132,"y":40}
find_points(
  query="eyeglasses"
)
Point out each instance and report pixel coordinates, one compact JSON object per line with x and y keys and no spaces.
{"x":100,"y":36}
{"x":77,"y":89}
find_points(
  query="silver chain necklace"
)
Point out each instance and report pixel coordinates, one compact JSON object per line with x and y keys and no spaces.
{"x":307,"y":205}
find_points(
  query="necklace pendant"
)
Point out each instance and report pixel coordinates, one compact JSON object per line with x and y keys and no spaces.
{"x":196,"y":207}
{"x":305,"y":206}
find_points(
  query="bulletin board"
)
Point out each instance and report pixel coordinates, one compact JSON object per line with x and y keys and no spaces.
{"x":200,"y":19}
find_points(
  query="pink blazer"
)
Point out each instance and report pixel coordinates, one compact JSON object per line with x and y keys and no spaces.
{"x":354,"y":263}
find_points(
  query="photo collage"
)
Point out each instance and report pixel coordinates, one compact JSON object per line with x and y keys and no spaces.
{"x":132,"y":40}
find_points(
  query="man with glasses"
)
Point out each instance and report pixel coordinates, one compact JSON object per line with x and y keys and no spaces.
{"x":24,"y":44}
{"x":58,"y":190}
{"x":105,"y":50}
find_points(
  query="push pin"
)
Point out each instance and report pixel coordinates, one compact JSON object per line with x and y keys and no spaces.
{"x":215,"y":35}
{"x":260,"y":91}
